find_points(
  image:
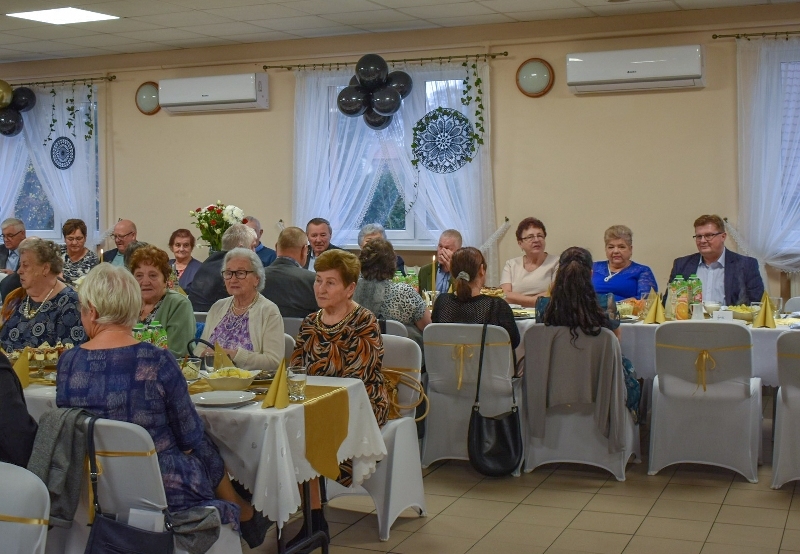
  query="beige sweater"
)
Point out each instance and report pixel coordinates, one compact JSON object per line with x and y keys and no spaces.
{"x":266,"y":334}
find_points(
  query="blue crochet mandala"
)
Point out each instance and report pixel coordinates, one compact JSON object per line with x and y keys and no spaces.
{"x":444,"y":141}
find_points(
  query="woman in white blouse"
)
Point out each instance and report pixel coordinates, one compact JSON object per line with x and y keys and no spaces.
{"x":528,"y":277}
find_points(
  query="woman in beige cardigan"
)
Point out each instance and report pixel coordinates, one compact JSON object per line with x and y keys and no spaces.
{"x":246,"y":325}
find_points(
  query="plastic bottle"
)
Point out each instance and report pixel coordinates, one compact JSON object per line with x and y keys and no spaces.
{"x":138,"y":332}
{"x":681,"y":298}
{"x":159,"y":335}
{"x":695,"y":290}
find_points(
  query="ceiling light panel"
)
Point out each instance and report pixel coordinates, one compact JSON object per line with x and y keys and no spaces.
{"x":62,"y":16}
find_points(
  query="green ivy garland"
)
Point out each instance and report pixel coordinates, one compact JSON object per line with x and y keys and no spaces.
{"x":53,"y":119}
{"x":477,"y":100}
{"x":88,"y":119}
{"x":70,"y":102}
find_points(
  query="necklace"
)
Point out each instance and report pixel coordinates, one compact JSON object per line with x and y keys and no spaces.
{"x":611,"y":274}
{"x":235,"y":310}
{"x":26,"y":309}
{"x":320,"y":325}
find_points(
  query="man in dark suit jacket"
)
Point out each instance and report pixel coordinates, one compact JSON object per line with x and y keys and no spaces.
{"x":124,"y":234}
{"x":13,"y":234}
{"x":266,"y":255}
{"x":727,"y":277}
{"x":319,"y":233}
{"x":287,"y":284}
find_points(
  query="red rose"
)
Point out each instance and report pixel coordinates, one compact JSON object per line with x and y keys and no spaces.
{"x":210,"y":207}
{"x":244,"y":221}
{"x":213,"y":222}
{"x":219,"y":211}
{"x":198,"y":210}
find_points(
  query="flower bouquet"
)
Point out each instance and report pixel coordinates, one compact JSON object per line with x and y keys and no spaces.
{"x":214,"y":220}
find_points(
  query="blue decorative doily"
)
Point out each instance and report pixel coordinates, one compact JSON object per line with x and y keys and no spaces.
{"x":62,"y":153}
{"x":444,"y":141}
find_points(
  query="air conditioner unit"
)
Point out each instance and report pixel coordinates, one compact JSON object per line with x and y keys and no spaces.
{"x":641,"y":69}
{"x":247,"y":91}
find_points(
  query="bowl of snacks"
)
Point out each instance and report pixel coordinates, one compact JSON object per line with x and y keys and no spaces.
{"x":496,"y":292}
{"x":190,"y":367}
{"x":231,"y":378}
{"x":743,"y":312}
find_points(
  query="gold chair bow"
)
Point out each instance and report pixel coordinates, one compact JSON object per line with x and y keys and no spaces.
{"x":459,"y":351}
{"x":704,"y":358}
{"x":25,"y":520}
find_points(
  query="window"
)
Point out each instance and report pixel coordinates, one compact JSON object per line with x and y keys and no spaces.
{"x":33,"y":206}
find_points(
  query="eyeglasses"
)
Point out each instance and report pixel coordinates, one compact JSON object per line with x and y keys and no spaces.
{"x":240,"y":274}
{"x":74,"y":239}
{"x":707,"y":237}
{"x":531,"y":238}
{"x":11,"y":236}
{"x":120,"y":237}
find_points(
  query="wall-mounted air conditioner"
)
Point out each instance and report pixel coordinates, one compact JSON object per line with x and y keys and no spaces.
{"x":641,"y":69}
{"x":247,"y":91}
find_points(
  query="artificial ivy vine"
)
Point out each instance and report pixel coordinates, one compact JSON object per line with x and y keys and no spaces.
{"x":477,"y":100}
{"x":71,"y":110}
{"x":53,"y":119}
{"x":88,"y":122}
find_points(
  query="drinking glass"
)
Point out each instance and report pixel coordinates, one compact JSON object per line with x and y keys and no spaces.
{"x":208,"y":362}
{"x":646,"y":304}
{"x":297,"y":383}
{"x":777,"y":303}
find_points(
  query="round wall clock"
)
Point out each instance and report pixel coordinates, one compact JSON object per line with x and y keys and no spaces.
{"x":147,"y":98}
{"x":535,"y":77}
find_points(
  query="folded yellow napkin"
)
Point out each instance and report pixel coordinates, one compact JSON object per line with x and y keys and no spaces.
{"x":765,"y":316}
{"x":327,"y":417}
{"x":278,"y":393}
{"x":22,"y":368}
{"x":221,"y":359}
{"x":656,"y":312}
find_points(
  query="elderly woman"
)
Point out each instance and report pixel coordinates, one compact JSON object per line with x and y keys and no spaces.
{"x":181,"y":242}
{"x":246,"y":325}
{"x":372,"y":231}
{"x":528,"y":277}
{"x":150,"y":268}
{"x":376,"y":291}
{"x":342,"y":339}
{"x":44,"y":309}
{"x":620,"y":275}
{"x":116,"y":377}
{"x":78,"y":260}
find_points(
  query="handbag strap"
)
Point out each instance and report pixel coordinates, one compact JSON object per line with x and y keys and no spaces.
{"x":92,"y":462}
{"x":480,"y":372}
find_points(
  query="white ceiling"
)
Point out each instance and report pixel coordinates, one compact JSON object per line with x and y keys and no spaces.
{"x":155,"y":25}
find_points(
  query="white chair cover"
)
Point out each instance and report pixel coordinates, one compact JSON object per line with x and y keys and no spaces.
{"x":571,"y":431}
{"x":402,"y":354}
{"x":291,"y":325}
{"x":786,"y":448}
{"x":396,"y":328}
{"x":200,"y":317}
{"x":288,"y":347}
{"x":792,"y":305}
{"x":720,"y":426}
{"x":451,"y":361}
{"x":24,"y":510}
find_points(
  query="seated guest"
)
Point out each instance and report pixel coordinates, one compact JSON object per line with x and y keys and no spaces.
{"x":342,"y":339}
{"x":208,"y":285}
{"x":13,"y":234}
{"x":727,"y":277}
{"x":150,"y":268}
{"x":619,"y":274}
{"x":319,"y":233}
{"x":181,"y":242}
{"x":116,"y":377}
{"x":286,"y":283}
{"x":124,"y":234}
{"x":78,"y":259}
{"x":376,"y":231}
{"x":528,"y":277}
{"x":132,"y":247}
{"x":449,"y":242}
{"x":267,"y":255}
{"x":467,"y":304}
{"x":44,"y":309}
{"x":17,"y":427}
{"x":379,"y":294}
{"x":246,"y":325}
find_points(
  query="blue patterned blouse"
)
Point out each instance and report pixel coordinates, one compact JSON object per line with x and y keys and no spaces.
{"x":143,"y":384}
{"x":57,"y":320}
{"x":631,"y":282}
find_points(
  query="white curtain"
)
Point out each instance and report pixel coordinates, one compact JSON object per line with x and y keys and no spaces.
{"x":768,"y":73}
{"x":72,"y":191}
{"x":13,"y":161}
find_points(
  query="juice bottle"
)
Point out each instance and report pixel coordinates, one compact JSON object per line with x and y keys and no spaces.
{"x":159,"y":335}
{"x":681,"y":298}
{"x":695,"y":290}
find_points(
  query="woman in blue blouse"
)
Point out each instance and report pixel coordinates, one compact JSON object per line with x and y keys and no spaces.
{"x":620,"y":275}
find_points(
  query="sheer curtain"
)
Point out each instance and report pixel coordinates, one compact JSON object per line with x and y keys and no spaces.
{"x":13,"y":161}
{"x":769,"y":151}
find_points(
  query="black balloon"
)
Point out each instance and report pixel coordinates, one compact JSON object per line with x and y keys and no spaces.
{"x":371,"y":71}
{"x":386,"y":101}
{"x":10,"y":122}
{"x":376,"y":121}
{"x":401,"y":82}
{"x":354,"y":81}
{"x":353,"y":101}
{"x":23,"y":100}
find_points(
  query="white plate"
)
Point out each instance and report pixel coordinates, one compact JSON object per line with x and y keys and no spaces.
{"x":515,"y":306}
{"x":218,"y":398}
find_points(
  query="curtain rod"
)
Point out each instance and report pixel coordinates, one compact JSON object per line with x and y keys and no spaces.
{"x":344,"y":65}
{"x":67,"y":81}
{"x":769,"y":34}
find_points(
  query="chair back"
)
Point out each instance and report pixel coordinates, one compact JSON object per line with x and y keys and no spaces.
{"x":789,"y":359}
{"x":403,"y":355}
{"x":200,"y":317}
{"x":394,"y":327}
{"x":792,"y":305}
{"x":291,"y":325}
{"x":24,"y":511}
{"x":288,"y":348}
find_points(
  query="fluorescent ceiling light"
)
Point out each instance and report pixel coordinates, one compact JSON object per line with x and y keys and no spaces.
{"x":62,"y":16}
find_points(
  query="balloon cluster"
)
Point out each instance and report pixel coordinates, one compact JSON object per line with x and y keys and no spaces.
{"x":374,"y":93}
{"x":12,"y":103}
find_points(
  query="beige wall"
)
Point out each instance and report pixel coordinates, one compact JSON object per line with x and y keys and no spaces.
{"x":653,"y":161}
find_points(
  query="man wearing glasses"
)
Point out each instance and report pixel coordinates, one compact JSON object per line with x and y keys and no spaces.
{"x":449,"y":242}
{"x":13,"y":234}
{"x":124,"y":234}
{"x":728,"y":278}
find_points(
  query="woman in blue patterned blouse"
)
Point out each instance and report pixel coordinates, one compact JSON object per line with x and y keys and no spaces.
{"x":116,"y":377}
{"x":619,"y":274}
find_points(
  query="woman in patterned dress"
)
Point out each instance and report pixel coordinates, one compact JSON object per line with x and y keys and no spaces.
{"x":342,"y":339}
{"x":117,"y":377}
{"x":78,"y":260}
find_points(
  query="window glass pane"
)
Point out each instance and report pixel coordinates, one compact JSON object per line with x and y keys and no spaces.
{"x":33,"y":206}
{"x":386,"y":205}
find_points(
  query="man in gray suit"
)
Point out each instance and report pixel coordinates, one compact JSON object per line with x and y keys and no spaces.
{"x":287,"y":284}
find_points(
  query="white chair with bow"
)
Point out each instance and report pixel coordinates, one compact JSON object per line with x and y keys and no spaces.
{"x":291,"y":325}
{"x":24,"y":511}
{"x":786,"y":448}
{"x":706,"y":404}
{"x":288,"y":347}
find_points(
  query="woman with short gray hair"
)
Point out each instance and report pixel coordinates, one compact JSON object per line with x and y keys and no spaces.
{"x":246,"y":325}
{"x":619,"y":275}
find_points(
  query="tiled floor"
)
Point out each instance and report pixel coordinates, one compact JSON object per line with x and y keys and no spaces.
{"x":567,"y":508}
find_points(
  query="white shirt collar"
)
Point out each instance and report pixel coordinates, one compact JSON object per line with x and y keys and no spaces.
{"x":720,"y":261}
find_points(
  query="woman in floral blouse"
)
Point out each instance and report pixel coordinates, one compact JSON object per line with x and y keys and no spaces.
{"x":78,"y":260}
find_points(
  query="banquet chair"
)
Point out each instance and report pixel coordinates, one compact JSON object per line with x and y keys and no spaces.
{"x":24,"y":510}
{"x":451,"y":361}
{"x":288,"y":347}
{"x":786,"y":448}
{"x":397,"y":481}
{"x":200,"y":317}
{"x":291,"y":325}
{"x":706,"y":404}
{"x":572,"y":391}
{"x":792,"y":305}
{"x":394,"y":327}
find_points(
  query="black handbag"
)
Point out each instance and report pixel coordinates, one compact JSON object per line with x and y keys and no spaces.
{"x":494,"y":443}
{"x":109,"y":536}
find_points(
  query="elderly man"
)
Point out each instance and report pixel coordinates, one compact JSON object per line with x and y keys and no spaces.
{"x":13,"y":234}
{"x":377,"y":231}
{"x":727,"y":277}
{"x":319,"y":233}
{"x":208,"y":286}
{"x":287,"y":284}
{"x":449,"y":242}
{"x":124,"y":234}
{"x":266,"y":255}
